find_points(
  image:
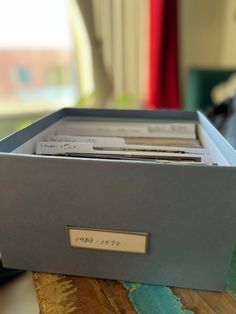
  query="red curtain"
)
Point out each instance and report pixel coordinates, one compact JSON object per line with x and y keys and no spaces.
{"x":163,"y":67}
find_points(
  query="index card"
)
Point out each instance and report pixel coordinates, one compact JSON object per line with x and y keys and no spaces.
{"x":61,"y":148}
{"x":64,"y":148}
{"x":129,"y":129}
{"x":151,"y":149}
{"x":101,"y":141}
{"x":180,"y":142}
{"x":112,"y":143}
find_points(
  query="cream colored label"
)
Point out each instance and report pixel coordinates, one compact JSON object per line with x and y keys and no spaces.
{"x":109,"y":240}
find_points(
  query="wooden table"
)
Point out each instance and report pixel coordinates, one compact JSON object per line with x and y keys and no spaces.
{"x":59,"y":294}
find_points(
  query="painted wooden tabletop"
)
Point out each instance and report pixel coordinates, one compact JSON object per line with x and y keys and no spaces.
{"x":62,"y":294}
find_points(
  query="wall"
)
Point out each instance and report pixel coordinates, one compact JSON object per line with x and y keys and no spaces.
{"x":228,"y":51}
{"x":207,"y":34}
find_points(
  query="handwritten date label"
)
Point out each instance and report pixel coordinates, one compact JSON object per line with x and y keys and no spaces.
{"x":109,"y":240}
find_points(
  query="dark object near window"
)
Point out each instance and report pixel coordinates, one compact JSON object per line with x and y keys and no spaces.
{"x":6,"y":274}
{"x":220,"y":114}
{"x":223,"y":117}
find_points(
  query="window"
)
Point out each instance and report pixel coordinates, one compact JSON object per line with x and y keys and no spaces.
{"x":36,"y":65}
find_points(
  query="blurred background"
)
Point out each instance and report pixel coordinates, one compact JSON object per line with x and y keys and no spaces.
{"x":114,"y":54}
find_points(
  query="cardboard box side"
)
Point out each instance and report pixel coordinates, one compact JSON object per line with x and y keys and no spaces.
{"x":222,"y":144}
{"x":188,"y":212}
{"x":16,"y":139}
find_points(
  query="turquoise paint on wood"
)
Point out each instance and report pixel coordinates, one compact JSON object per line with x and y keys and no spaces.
{"x":153,"y":299}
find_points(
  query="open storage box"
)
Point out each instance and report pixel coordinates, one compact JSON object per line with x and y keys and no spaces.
{"x":178,"y":221}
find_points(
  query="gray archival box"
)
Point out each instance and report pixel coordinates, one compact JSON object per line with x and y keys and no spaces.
{"x":186,"y":213}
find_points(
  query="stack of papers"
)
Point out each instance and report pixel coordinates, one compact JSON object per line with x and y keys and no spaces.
{"x":164,"y":142}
